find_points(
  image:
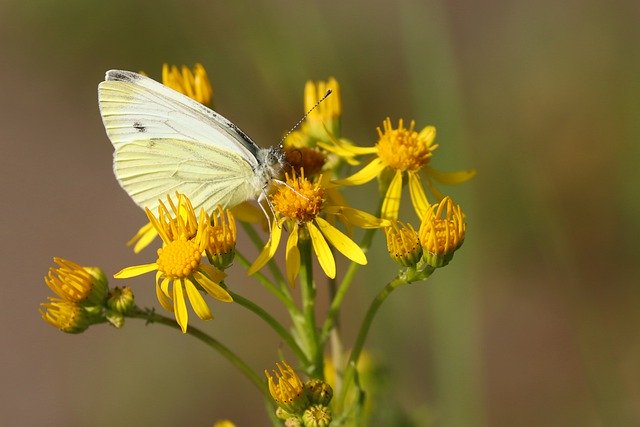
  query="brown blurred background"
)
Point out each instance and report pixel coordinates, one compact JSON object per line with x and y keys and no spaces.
{"x":534,"y":323}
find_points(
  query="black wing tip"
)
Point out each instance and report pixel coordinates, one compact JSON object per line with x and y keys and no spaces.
{"x":121,"y":76}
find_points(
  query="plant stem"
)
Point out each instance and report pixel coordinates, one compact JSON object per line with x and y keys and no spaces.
{"x":280,"y":330}
{"x":151,"y":317}
{"x":308,"y":293}
{"x":270,"y":286}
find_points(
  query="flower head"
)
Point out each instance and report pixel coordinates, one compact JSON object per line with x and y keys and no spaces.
{"x":67,"y":316}
{"x":402,"y":151}
{"x":287,"y":389}
{"x":442,"y":232}
{"x":77,"y":284}
{"x":222,"y":239}
{"x":403,"y":244}
{"x":300,"y":203}
{"x":179,"y":269}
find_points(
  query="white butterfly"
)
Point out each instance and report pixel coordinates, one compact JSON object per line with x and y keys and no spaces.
{"x":166,"y":142}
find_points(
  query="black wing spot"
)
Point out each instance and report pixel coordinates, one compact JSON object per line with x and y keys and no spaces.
{"x":138,"y":126}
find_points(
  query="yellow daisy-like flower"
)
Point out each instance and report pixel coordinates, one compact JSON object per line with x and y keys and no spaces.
{"x":65,"y":315}
{"x":442,"y":232}
{"x":179,"y":269}
{"x":402,"y":151}
{"x":403,"y":244}
{"x":287,"y":389}
{"x":300,"y":202}
{"x":77,"y":284}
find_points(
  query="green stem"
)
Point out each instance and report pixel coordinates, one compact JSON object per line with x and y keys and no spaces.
{"x":336,"y":303}
{"x":151,"y":317}
{"x":270,"y":286}
{"x":280,"y":330}
{"x":308,"y":294}
{"x":410,"y":275}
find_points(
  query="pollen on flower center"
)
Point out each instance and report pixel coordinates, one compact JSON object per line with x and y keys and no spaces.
{"x":179,"y":258}
{"x":301,"y":200}
{"x":403,"y":148}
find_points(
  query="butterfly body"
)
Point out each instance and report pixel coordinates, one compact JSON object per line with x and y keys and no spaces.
{"x":166,"y":142}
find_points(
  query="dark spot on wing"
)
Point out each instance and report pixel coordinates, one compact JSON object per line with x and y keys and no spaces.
{"x":138,"y":126}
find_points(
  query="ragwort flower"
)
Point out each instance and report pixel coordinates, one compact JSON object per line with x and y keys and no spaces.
{"x":179,"y":269}
{"x":402,"y":151}
{"x":300,"y":203}
{"x":442,"y":232}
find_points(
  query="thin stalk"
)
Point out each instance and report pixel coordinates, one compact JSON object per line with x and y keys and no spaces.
{"x":410,"y":275}
{"x":308,"y":294}
{"x":270,"y":286}
{"x":151,"y":317}
{"x":271,"y":321}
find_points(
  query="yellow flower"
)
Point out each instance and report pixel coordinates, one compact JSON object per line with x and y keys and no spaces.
{"x":65,"y":315}
{"x":195,"y":84}
{"x":442,"y":232}
{"x":179,"y":269}
{"x":300,"y":202}
{"x":287,"y":389}
{"x":403,"y":244}
{"x":224,"y":423}
{"x":77,"y":284}
{"x":399,"y":151}
{"x":222,"y":239}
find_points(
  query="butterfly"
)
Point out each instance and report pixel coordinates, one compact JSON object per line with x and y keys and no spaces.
{"x":166,"y":142}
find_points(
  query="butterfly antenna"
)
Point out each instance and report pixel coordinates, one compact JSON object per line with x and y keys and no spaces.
{"x":304,"y":117}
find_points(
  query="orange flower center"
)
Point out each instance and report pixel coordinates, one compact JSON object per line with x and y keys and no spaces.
{"x":179,"y":258}
{"x":300,"y":200}
{"x":403,"y":148}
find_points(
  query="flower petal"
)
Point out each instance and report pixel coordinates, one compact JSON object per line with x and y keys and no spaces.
{"x":213,"y":273}
{"x":212,"y":288}
{"x":322,"y":250}
{"x":180,"y":307}
{"x":292,"y":257}
{"x":143,"y":238}
{"x":365,"y":174}
{"x":135,"y":270}
{"x":341,"y":242}
{"x":391,"y":203}
{"x":163,"y":298}
{"x":428,"y":134}
{"x":269,"y":249}
{"x":418,"y":197}
{"x":357,"y":217}
{"x":197,"y":302}
{"x":450,"y":178}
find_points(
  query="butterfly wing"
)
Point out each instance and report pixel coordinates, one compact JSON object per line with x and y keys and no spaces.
{"x":167,"y":142}
{"x":152,"y":169}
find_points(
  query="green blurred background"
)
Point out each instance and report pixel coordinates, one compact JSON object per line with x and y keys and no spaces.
{"x":534,"y":323}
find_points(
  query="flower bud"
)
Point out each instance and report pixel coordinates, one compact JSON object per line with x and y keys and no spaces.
{"x":287,"y":389}
{"x":121,"y":300}
{"x":403,"y":244}
{"x":319,"y":392}
{"x":77,"y":284}
{"x":317,"y":416}
{"x":442,"y":232}
{"x":67,"y":316}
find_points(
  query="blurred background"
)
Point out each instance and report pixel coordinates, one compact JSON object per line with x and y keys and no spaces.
{"x":536,"y":320}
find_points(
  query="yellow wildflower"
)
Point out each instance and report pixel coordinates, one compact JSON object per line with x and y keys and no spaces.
{"x":442,"y":232}
{"x":222,"y":239}
{"x":287,"y":389}
{"x":300,"y":202}
{"x":67,"y":316}
{"x":179,"y":269}
{"x":403,"y":244}
{"x":399,"y":151}
{"x":77,"y":284}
